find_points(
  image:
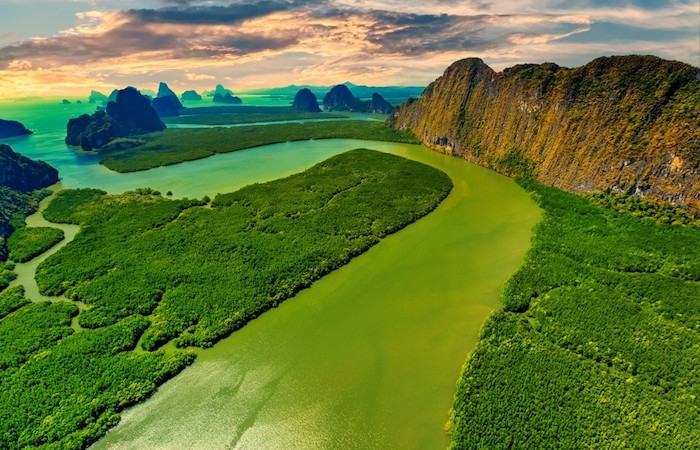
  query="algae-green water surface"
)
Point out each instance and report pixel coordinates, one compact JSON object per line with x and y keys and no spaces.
{"x":368,"y":356}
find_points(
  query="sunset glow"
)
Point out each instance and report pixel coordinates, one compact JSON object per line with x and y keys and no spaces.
{"x":67,"y":47}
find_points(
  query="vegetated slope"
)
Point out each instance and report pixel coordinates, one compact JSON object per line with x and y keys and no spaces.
{"x":14,"y":207}
{"x":626,"y":123}
{"x":19,"y":176}
{"x":599,"y":342}
{"x":178,"y":145}
{"x":20,"y":173}
{"x":204,"y":272}
{"x":201,"y":271}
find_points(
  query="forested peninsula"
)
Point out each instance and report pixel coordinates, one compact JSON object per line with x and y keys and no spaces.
{"x":144,"y":270}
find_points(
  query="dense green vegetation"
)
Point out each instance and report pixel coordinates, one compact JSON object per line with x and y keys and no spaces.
{"x":26,"y":243}
{"x":178,"y":145}
{"x":33,"y":328}
{"x":203,"y":272}
{"x":6,"y":274}
{"x":236,"y":118}
{"x":648,"y":208}
{"x":68,"y":394}
{"x":11,"y":300}
{"x":598,"y":345}
{"x":154,"y":269}
{"x":58,"y":388}
{"x":14,"y":207}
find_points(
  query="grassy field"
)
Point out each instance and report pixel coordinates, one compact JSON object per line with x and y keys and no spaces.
{"x":178,"y":145}
{"x":598,"y":345}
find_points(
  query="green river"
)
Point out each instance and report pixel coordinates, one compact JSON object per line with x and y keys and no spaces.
{"x":368,"y":356}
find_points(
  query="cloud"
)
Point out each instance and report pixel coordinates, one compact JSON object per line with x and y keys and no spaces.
{"x":213,"y":15}
{"x":189,"y":41}
{"x":19,"y":64}
{"x":199,"y":77}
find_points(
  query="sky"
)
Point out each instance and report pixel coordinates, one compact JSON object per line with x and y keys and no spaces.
{"x":68,"y":47}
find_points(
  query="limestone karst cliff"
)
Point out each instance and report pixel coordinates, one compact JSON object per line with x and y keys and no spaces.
{"x":305,"y":101}
{"x":131,"y":114}
{"x":627,"y":123}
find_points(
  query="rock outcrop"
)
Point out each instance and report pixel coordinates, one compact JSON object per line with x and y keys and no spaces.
{"x":219,"y":89}
{"x":227,"y":98}
{"x":131,"y":114}
{"x":305,"y":101}
{"x":165,"y":91}
{"x":12,"y":128}
{"x":97,"y":97}
{"x":166,"y":102}
{"x":167,"y":106}
{"x":20,"y":173}
{"x":626,"y":123}
{"x":379,"y":105}
{"x":339,"y":98}
{"x":190,"y":96}
{"x":113,"y":96}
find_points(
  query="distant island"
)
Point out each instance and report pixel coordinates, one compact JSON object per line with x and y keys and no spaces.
{"x":394,"y":93}
{"x":131,"y":114}
{"x":190,"y":96}
{"x":97,"y":97}
{"x":12,"y":128}
{"x":219,"y":89}
{"x":305,"y":101}
{"x":166,"y":102}
{"x":339,"y":98}
{"x":227,"y":98}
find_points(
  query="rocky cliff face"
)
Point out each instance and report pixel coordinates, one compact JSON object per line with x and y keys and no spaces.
{"x":20,"y":173}
{"x":131,"y":114}
{"x":305,"y":101}
{"x":379,"y":105}
{"x":12,"y":128}
{"x":339,"y":98}
{"x":629,"y":124}
{"x":167,"y":100}
{"x":97,"y":97}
